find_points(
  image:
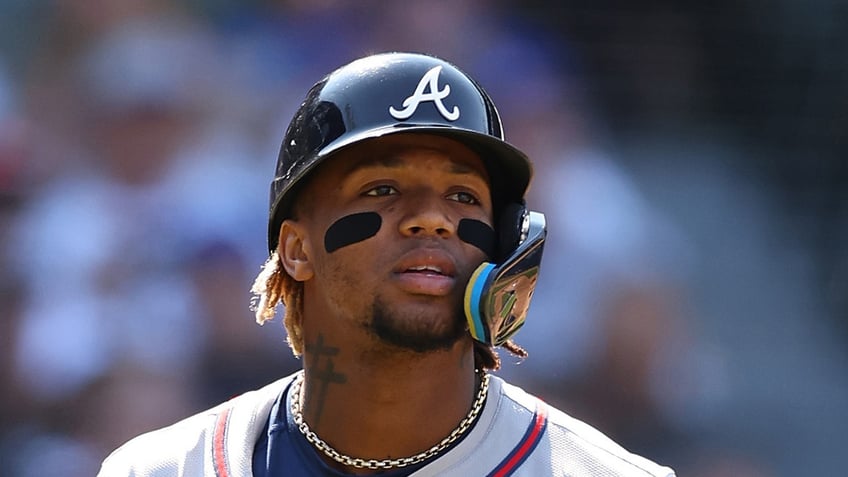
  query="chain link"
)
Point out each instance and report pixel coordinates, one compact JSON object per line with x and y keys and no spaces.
{"x":373,"y":464}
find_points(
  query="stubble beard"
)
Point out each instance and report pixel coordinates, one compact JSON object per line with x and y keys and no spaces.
{"x":420,"y":334}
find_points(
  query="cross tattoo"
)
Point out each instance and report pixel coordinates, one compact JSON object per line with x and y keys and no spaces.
{"x":327,"y":375}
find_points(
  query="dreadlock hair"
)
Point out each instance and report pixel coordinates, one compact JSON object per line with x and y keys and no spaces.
{"x":274,"y":285}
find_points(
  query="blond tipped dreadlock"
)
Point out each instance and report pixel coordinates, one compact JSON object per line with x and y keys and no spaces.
{"x":274,"y":285}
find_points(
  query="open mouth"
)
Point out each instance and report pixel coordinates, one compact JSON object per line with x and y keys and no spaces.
{"x":426,"y":270}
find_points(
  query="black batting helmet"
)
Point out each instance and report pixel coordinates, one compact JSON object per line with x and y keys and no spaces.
{"x":394,"y":93}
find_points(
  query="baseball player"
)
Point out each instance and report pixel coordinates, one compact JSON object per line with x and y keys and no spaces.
{"x":404,"y":254}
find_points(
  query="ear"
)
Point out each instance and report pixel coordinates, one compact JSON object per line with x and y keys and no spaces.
{"x":295,"y":251}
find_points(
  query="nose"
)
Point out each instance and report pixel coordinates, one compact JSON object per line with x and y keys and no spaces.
{"x":427,"y":215}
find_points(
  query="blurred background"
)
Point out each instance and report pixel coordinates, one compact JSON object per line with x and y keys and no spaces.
{"x":691,"y":157}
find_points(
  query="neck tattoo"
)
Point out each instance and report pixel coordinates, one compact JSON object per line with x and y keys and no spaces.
{"x":326,"y":449}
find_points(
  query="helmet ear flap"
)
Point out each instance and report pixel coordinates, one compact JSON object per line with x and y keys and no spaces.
{"x":510,"y":225}
{"x":498,"y":295}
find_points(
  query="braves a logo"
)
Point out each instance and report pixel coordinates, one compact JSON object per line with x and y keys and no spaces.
{"x":430,"y":81}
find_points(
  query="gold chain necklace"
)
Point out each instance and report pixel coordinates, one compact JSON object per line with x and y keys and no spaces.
{"x":320,"y":444}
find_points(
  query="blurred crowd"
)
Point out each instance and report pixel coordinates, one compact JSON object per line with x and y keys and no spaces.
{"x":137,"y":142}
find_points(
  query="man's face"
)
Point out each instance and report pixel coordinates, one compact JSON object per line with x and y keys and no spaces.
{"x":381,"y":220}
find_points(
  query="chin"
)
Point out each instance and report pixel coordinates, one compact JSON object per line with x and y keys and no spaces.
{"x":420,"y":331}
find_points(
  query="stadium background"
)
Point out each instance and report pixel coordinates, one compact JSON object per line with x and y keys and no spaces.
{"x":691,"y":158}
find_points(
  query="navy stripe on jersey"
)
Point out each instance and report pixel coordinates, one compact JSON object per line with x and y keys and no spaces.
{"x":525,"y":446}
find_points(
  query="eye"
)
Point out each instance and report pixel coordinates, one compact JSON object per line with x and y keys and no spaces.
{"x":381,"y":190}
{"x":464,"y":197}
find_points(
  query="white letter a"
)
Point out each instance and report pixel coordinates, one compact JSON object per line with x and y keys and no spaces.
{"x":430,"y":81}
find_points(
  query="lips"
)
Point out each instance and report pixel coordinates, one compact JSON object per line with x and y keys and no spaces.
{"x":426,"y":271}
{"x":427,"y":261}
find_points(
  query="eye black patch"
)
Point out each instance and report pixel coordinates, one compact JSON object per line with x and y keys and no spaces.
{"x":478,"y":234}
{"x":351,"y":229}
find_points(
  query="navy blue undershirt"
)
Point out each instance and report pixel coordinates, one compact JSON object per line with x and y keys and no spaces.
{"x":283,"y":451}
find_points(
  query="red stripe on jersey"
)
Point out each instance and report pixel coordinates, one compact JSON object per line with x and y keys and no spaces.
{"x":525,"y":446}
{"x":219,"y":454}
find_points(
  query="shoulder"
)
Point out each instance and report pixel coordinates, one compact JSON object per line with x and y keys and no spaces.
{"x":222,"y":435}
{"x":164,"y":451}
{"x":572,"y":445}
